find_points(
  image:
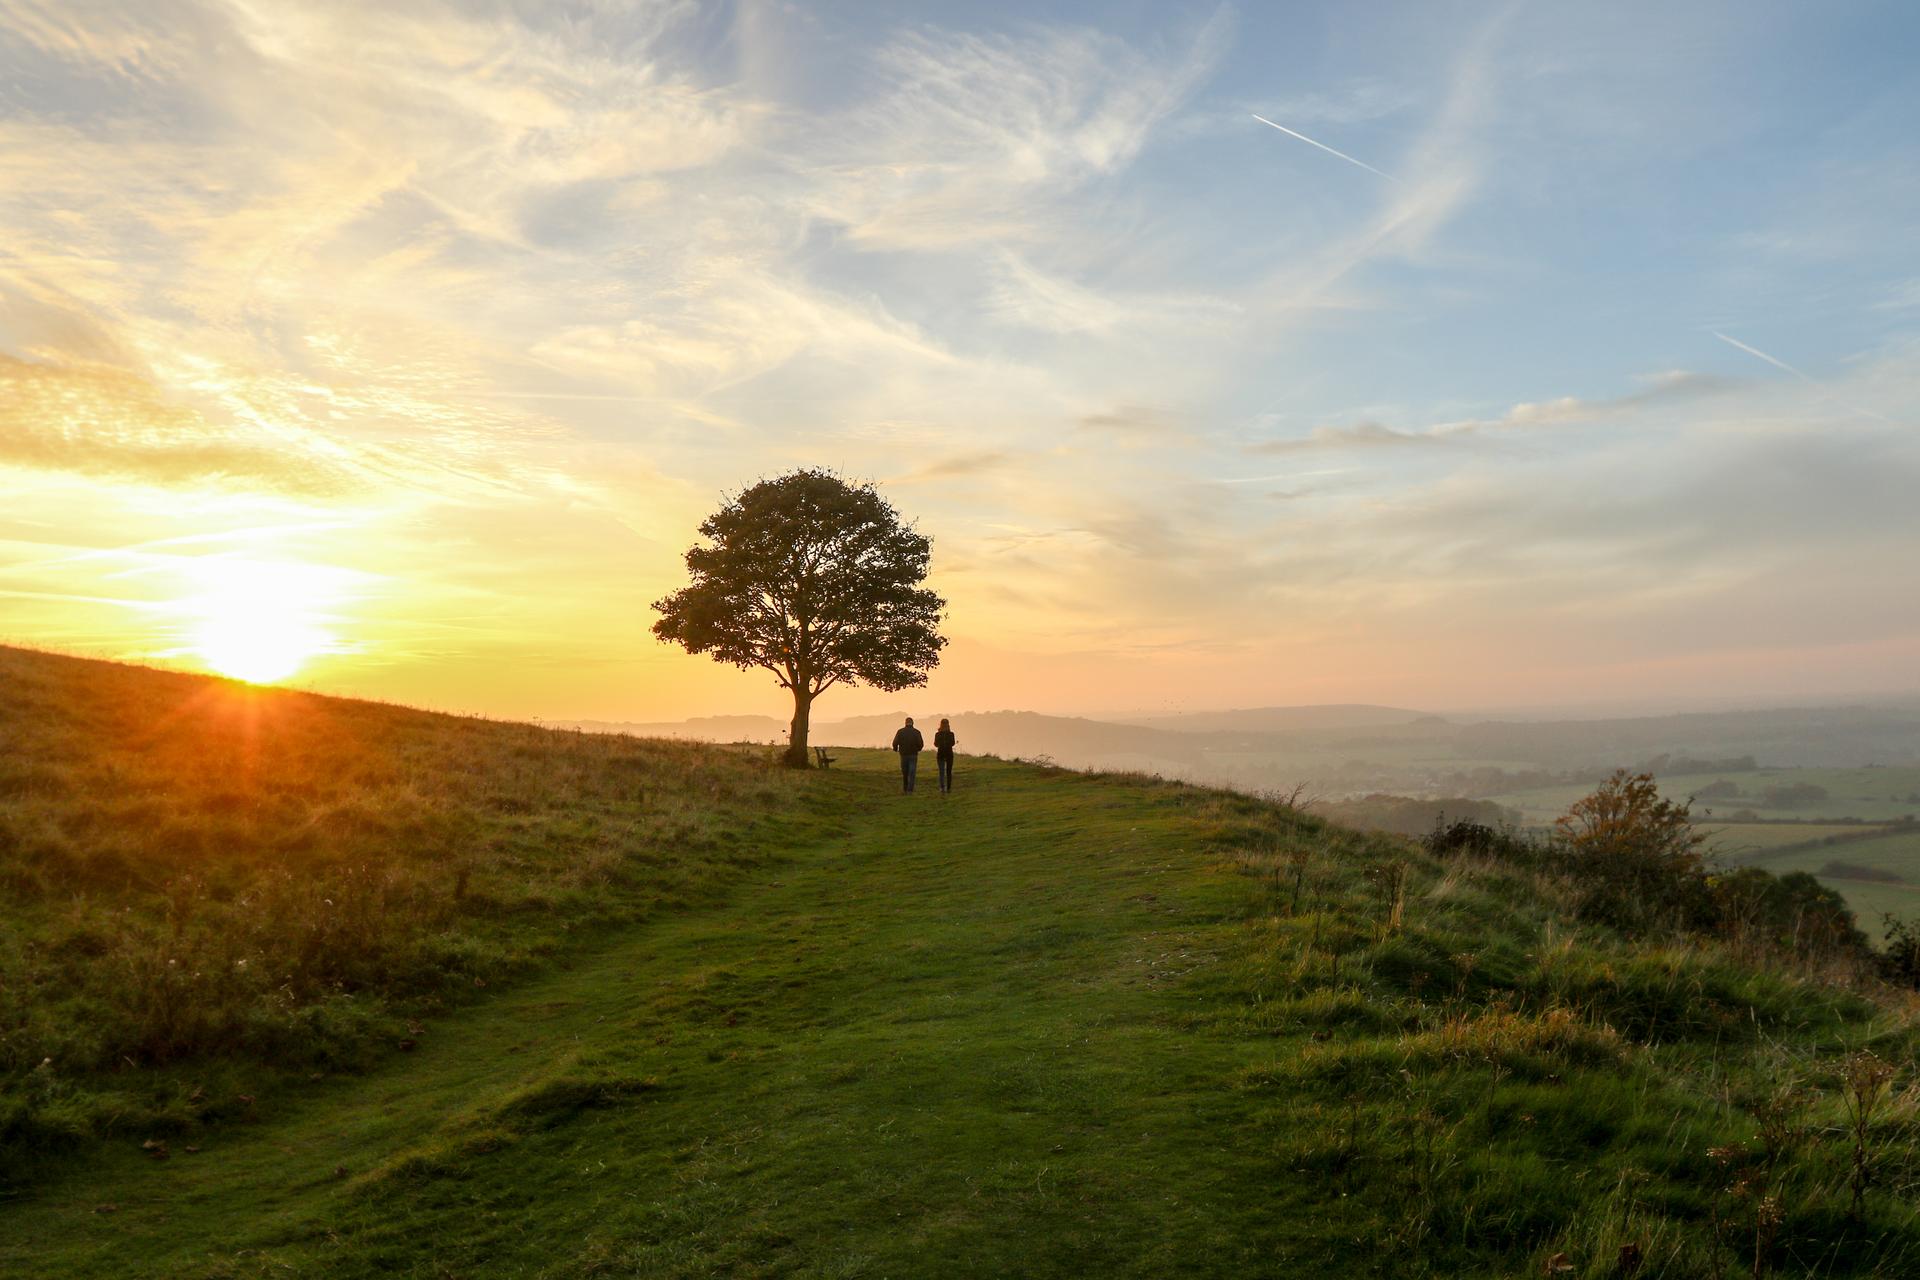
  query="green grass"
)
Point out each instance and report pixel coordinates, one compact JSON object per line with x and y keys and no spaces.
{"x":1053,"y":1025}
{"x":1750,"y":842}
{"x":1876,"y":794}
{"x":205,"y":886}
{"x":1871,"y":900}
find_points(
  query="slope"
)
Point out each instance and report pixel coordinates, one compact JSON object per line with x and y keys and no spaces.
{"x":1056,"y":1024}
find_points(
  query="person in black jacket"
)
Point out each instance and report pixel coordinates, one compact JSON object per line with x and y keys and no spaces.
{"x":943,"y":754}
{"x":908,"y":742}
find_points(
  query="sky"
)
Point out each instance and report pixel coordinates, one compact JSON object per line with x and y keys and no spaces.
{"x":1435,"y":354}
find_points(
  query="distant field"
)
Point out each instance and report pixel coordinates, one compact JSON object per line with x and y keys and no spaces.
{"x":1873,"y":903}
{"x":1872,"y":794}
{"x":1738,"y":839}
{"x":1871,"y":900}
{"x":1875,"y":793}
{"x":1898,"y":853}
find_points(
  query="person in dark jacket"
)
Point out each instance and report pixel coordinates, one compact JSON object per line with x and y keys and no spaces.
{"x":943,"y":741}
{"x":908,"y":742}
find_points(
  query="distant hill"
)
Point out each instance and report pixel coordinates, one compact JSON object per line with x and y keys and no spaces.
{"x":1024,"y":734}
{"x":1067,"y":740}
{"x":1357,"y":749}
{"x":1284,"y":719}
{"x":698,"y":729}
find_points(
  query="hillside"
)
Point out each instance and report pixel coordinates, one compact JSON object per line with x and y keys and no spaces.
{"x":749,"y":1022}
{"x":1283,"y":719}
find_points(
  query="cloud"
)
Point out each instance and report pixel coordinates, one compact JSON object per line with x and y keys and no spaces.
{"x":106,"y":422}
{"x":1139,"y":423}
{"x":1904,"y":296}
{"x":1660,"y":389}
{"x":1356,"y":101}
{"x":1434,"y":180}
{"x":1361,"y":435}
{"x":516,"y":291}
{"x":974,"y":135}
{"x":959,"y":464}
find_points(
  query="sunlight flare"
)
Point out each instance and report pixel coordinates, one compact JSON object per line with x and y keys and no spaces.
{"x":259,"y":621}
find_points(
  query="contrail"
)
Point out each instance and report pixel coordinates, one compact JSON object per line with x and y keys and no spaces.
{"x":1826,"y":395}
{"x":1323,"y":146}
{"x":1759,"y":354}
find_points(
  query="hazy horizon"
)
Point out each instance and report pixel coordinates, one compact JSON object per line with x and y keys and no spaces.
{"x":1432,"y":355}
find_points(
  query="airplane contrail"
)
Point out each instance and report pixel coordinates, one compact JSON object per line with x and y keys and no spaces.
{"x":1323,"y":146}
{"x":1826,"y":395}
{"x":1757,"y":353}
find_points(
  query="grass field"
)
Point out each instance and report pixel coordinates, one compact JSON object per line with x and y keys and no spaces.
{"x":207,"y":887}
{"x":1054,"y":1025}
{"x":1871,"y":900}
{"x":1750,"y":841}
{"x":1877,"y":794}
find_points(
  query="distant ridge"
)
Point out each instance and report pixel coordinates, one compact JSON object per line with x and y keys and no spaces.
{"x":1338,"y":715}
{"x":699,"y":728}
{"x":1352,"y":749}
{"x":1070,"y":740}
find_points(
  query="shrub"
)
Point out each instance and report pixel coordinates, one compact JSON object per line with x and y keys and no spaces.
{"x":1793,"y":795}
{"x":1634,"y":860}
{"x":1900,"y":957}
{"x":1639,"y":854}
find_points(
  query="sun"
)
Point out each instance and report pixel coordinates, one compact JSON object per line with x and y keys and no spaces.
{"x":257,"y":621}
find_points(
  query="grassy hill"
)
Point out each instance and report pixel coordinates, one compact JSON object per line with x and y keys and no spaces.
{"x":740,"y":1021}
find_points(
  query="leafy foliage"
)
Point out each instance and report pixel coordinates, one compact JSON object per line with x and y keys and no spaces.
{"x":1643,"y":851}
{"x":1633,"y":863}
{"x":815,"y":580}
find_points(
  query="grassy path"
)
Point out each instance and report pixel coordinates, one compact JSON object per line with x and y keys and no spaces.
{"x":954,"y":1042}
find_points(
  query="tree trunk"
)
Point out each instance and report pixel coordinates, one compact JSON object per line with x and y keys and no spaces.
{"x":797,"y":756}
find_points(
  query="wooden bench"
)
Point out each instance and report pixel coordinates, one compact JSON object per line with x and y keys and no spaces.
{"x":820,"y":754}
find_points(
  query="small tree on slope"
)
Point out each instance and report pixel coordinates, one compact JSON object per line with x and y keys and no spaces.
{"x":1642,"y":850}
{"x":815,"y":580}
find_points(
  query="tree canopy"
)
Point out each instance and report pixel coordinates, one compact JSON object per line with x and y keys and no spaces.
{"x":815,"y":580}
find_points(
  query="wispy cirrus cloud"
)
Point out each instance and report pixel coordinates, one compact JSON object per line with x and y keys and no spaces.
{"x":1660,"y":389}
{"x":497,"y":298}
{"x":956,"y":466}
{"x":972,"y":136}
{"x":1360,"y":435}
{"x":102,"y":421}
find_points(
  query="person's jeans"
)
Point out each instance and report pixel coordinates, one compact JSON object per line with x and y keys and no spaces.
{"x":946,"y":772}
{"x":909,"y":765}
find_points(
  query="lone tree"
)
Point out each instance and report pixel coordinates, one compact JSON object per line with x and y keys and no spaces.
{"x":816,"y":580}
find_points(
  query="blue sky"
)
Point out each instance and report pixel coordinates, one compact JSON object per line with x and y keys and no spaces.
{"x":1594,"y":381}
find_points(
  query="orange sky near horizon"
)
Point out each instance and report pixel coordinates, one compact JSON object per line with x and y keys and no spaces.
{"x":398,"y":350}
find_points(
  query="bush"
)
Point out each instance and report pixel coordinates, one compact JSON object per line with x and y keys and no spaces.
{"x":1638,"y":854}
{"x":1900,"y":959}
{"x":1408,"y":816}
{"x":1793,"y":912}
{"x":1793,"y":795}
{"x":1634,"y":860}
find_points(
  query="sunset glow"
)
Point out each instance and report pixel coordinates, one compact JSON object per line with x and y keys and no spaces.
{"x":256,"y":621}
{"x":1533,"y":355}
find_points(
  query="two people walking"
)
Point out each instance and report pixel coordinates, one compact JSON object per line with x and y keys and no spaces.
{"x":909,"y":743}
